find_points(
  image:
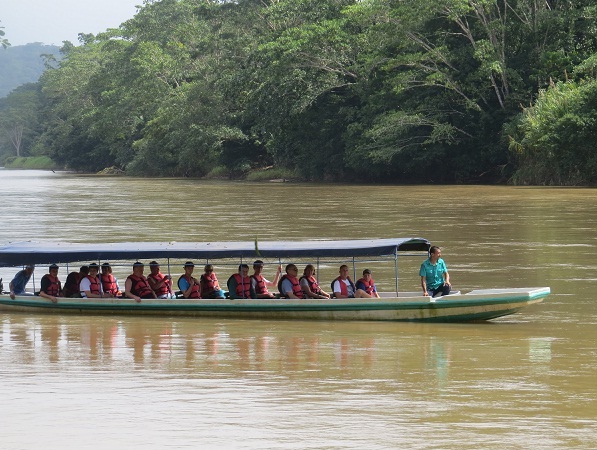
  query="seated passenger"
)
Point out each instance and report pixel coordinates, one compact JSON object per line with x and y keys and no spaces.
{"x":435,"y":279}
{"x":210,"y":287}
{"x":136,"y":285}
{"x":289,"y":285}
{"x":71,"y":285}
{"x":18,"y":283}
{"x":343,"y":286}
{"x":109,"y":282}
{"x":91,"y":285}
{"x":367,"y":284}
{"x":189,"y":286}
{"x":51,"y":288}
{"x":160,"y":283}
{"x":239,"y":284}
{"x":309,"y":284}
{"x":260,"y":283}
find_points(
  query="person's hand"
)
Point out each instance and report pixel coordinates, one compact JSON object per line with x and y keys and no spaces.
{"x":12,"y":295}
{"x":426,"y":294}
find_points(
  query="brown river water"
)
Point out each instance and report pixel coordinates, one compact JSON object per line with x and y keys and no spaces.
{"x":109,"y":382}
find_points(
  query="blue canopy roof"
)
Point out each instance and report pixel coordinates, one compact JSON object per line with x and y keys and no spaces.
{"x":21,"y":253}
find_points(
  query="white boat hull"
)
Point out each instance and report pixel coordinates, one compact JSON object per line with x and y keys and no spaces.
{"x":474,"y":306}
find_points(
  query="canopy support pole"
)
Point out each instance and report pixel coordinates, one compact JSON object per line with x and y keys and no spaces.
{"x":396,"y":268}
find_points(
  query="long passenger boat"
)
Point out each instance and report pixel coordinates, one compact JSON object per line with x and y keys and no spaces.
{"x":476,"y":305}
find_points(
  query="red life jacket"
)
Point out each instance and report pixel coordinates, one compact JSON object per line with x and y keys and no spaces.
{"x":243,"y":286}
{"x":260,"y":286}
{"x":343,"y":288}
{"x":313,"y":285}
{"x":369,"y":287}
{"x":94,"y":284}
{"x":140,"y":287}
{"x":71,"y":285}
{"x":165,"y":287}
{"x":196,"y":289}
{"x":209,"y":283}
{"x":109,"y":283}
{"x":54,"y":286}
{"x":296,"y":286}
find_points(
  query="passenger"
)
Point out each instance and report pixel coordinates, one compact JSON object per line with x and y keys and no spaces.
{"x":136,"y":285}
{"x":239,"y":284}
{"x":309,"y":284}
{"x":91,"y":285}
{"x":210,"y":287}
{"x":109,"y":281}
{"x":18,"y":283}
{"x":190,"y":287}
{"x":367,"y":284}
{"x":51,"y":288}
{"x":71,"y":285}
{"x":160,"y":283}
{"x":260,"y":283}
{"x":289,"y":285}
{"x":435,"y":279}
{"x":343,"y":286}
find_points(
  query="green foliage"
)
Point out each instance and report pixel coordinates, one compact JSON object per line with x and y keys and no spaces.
{"x":555,"y":140}
{"x":30,"y":162}
{"x":326,"y":89}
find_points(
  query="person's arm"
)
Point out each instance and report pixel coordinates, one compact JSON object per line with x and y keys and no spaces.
{"x":12,"y":290}
{"x":307,"y":289}
{"x":45,"y":284}
{"x":232,"y":284}
{"x":128,"y":285}
{"x":446,"y":274}
{"x":375,"y":293}
{"x":424,"y":286}
{"x":287,"y":289}
{"x":276,"y":278}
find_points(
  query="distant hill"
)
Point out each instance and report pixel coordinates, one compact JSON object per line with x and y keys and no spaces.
{"x":22,"y":64}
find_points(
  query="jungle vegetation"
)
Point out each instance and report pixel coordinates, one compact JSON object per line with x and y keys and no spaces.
{"x":434,"y":91}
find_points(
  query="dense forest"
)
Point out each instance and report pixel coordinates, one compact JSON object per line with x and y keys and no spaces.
{"x":435,"y":91}
{"x":22,"y":64}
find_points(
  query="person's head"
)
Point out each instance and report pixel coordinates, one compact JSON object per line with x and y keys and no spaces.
{"x":309,"y":270}
{"x":189,"y":266}
{"x":291,"y":270}
{"x":29,"y":268}
{"x":106,"y":268}
{"x":84,"y":270}
{"x":243,"y":270}
{"x":154,"y":266}
{"x":435,"y":252}
{"x":53,"y":269}
{"x":209,"y":269}
{"x":138,"y":268}
{"x":367,"y":274}
{"x":93,"y":269}
{"x":343,"y":271}
{"x":258,"y":266}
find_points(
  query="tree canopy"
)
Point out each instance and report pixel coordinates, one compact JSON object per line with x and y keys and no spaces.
{"x":435,"y":91}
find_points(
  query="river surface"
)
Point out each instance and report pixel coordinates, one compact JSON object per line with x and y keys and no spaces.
{"x":524,"y":381}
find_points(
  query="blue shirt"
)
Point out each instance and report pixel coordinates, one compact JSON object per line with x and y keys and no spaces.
{"x":20,"y":281}
{"x":434,"y":274}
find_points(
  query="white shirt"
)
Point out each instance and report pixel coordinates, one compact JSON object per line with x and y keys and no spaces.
{"x":349,"y":289}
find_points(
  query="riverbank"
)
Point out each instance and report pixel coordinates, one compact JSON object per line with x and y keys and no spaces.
{"x":30,"y":163}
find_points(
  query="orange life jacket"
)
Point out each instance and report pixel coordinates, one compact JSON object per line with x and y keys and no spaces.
{"x":260,"y":286}
{"x":243,"y":286}
{"x":369,"y":286}
{"x":343,"y":288}
{"x":313,"y":285}
{"x":94,"y":284}
{"x":209,"y":283}
{"x":140,"y":287}
{"x":54,"y":287}
{"x":296,"y":286}
{"x":165,"y":287}
{"x":109,"y":283}
{"x":196,"y":289}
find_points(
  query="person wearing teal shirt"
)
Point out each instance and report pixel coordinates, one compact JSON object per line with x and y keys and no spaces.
{"x":435,"y":279}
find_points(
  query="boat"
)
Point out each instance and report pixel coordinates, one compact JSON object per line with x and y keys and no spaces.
{"x":476,"y":305}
